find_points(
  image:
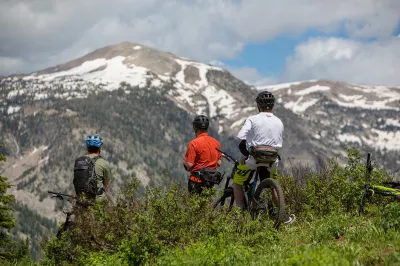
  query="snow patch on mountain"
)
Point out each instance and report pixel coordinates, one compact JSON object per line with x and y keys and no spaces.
{"x":349,"y":138}
{"x":13,"y":109}
{"x":280,"y":86}
{"x":299,"y":106}
{"x":238,"y":122}
{"x":108,"y":72}
{"x":312,"y":89}
{"x":388,"y":140}
{"x":364,"y":103}
{"x":350,"y":98}
{"x":392,"y":122}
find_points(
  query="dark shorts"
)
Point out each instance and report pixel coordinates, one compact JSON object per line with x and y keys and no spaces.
{"x":263,"y":173}
{"x":197,"y":188}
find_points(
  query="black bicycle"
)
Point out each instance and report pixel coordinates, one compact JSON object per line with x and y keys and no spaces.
{"x":68,"y":220}
{"x":369,"y":189}
{"x":261,"y":198}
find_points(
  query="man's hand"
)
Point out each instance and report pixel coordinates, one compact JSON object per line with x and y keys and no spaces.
{"x":187,"y":165}
{"x":243,"y":159}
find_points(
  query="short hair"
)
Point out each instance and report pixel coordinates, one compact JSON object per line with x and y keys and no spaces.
{"x":265,"y":108}
{"x":201,"y":130}
{"x":93,"y":149}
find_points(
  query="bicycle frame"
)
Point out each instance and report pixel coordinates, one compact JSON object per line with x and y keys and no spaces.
{"x":67,"y":222}
{"x":384,"y":191}
{"x":371,"y":190}
{"x":249,"y":188}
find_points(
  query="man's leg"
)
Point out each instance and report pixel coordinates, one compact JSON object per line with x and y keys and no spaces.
{"x":242,"y":174}
{"x":239,"y":195}
{"x":194,"y":187}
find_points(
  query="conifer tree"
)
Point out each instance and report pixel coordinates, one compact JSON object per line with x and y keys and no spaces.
{"x":6,"y":217}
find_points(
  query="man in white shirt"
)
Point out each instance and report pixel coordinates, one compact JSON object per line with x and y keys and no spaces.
{"x":263,"y":129}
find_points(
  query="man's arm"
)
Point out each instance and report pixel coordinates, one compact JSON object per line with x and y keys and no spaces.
{"x":107,"y":177}
{"x":187,"y":165}
{"x":219,"y":161}
{"x":244,"y":131}
{"x":242,"y":135}
{"x":190,"y":156}
{"x":243,"y":148}
{"x":107,"y":185}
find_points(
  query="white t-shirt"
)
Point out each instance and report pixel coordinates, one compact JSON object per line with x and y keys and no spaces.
{"x":262,"y":129}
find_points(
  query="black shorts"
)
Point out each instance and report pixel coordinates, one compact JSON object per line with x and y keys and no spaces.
{"x":263,"y":173}
{"x":196,"y":187}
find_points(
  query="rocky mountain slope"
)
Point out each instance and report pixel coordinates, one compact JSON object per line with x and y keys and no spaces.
{"x":142,"y":101}
{"x":339,"y":115}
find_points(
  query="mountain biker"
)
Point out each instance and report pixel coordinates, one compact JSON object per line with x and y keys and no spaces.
{"x":88,"y":183}
{"x":201,"y":155}
{"x":263,"y":129}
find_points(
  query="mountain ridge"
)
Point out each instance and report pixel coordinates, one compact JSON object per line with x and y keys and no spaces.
{"x":146,"y":117}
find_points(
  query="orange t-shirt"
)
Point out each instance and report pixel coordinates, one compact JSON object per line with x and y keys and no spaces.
{"x":201,"y":153}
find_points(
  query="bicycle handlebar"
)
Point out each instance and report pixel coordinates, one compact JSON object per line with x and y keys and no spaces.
{"x":60,"y":195}
{"x":227,"y":156}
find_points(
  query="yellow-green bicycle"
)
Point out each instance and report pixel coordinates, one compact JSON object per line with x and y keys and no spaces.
{"x":389,"y":188}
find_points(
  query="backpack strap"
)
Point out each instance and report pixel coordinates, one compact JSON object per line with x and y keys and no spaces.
{"x":93,"y":161}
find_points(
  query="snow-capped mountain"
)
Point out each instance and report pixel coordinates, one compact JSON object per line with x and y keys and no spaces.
{"x":197,"y":87}
{"x":364,"y":116}
{"x":142,"y":101}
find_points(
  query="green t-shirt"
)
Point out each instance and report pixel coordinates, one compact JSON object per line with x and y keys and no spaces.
{"x":103,"y":172}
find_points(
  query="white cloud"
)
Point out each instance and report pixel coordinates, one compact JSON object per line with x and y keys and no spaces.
{"x":43,"y":33}
{"x":375,"y":63}
{"x":251,"y":76}
{"x":10,"y":65}
{"x":217,"y":63}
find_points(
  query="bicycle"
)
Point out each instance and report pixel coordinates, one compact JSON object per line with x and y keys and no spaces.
{"x":253,"y":201}
{"x":67,"y":225}
{"x":370,"y":190}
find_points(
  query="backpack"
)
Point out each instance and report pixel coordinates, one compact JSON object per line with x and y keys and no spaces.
{"x":210,"y":175}
{"x":85,"y":179}
{"x":264,"y":154}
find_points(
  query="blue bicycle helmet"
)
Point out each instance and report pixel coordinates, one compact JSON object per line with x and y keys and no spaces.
{"x":94,"y":140}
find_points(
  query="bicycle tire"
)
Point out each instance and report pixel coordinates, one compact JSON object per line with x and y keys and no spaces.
{"x":67,"y":225}
{"x":228,"y":195}
{"x":362,"y":202}
{"x":272,"y":183}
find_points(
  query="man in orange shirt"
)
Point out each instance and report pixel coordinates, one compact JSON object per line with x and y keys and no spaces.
{"x":201,"y":154}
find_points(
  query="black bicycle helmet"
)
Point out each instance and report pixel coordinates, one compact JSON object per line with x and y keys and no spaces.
{"x":201,"y":122}
{"x":266,"y":100}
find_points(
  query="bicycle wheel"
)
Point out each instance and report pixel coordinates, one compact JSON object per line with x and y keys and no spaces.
{"x":274,"y":208}
{"x":67,"y":225}
{"x":365,"y":194}
{"x":227,"y":198}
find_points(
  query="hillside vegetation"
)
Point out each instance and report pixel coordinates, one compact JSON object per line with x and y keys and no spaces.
{"x":169,"y":227}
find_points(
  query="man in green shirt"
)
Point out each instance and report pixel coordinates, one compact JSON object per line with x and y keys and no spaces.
{"x":92,"y":184}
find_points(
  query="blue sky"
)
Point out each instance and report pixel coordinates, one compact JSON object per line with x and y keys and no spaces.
{"x":259,"y":41}
{"x":269,"y":57}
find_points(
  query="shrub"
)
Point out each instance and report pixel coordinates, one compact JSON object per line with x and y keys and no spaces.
{"x":323,"y":255}
{"x":390,"y":216}
{"x":332,"y":188}
{"x":170,"y":227}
